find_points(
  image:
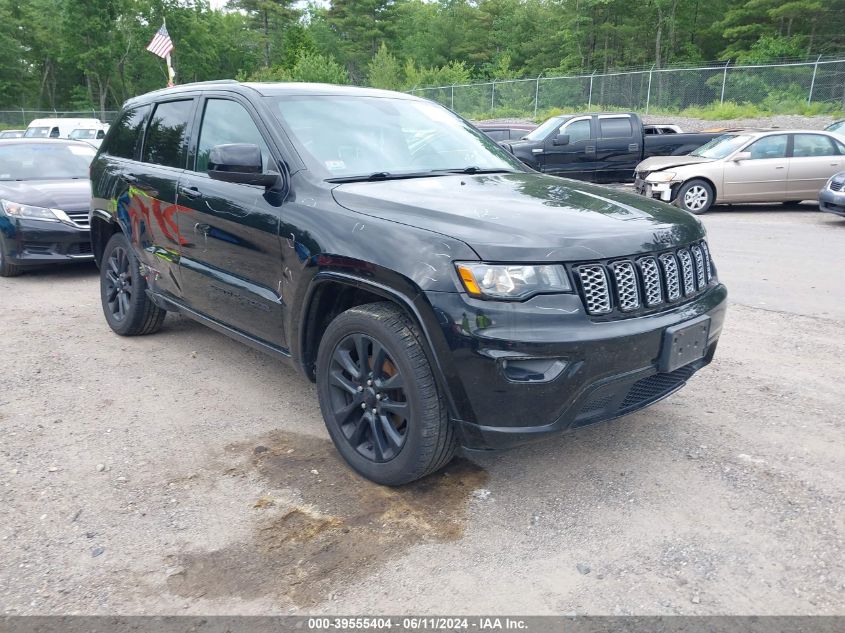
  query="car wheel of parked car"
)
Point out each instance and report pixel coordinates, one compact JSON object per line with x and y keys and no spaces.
{"x":379,"y":398}
{"x":695,"y":196}
{"x":127,"y":308}
{"x":7,"y":268}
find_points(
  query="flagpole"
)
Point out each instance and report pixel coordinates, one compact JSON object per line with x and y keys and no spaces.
{"x":171,"y":74}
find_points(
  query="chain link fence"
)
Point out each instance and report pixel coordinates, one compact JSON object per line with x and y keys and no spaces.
{"x":21,"y":118}
{"x":772,"y":86}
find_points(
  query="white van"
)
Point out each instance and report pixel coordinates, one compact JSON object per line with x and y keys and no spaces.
{"x":58,"y":128}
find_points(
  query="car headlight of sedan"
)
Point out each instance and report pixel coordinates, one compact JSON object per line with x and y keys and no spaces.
{"x":512,"y":281}
{"x":28,"y":212}
{"x":661,"y":176}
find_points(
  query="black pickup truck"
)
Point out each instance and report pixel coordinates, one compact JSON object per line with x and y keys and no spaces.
{"x":600,"y":147}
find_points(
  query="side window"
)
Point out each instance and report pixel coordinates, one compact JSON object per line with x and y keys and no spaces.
{"x":126,"y":134}
{"x":226,"y":121}
{"x":54,"y":133}
{"x":812,"y":145}
{"x":840,"y":146}
{"x":166,"y":141}
{"x":617,"y":127}
{"x":498,"y":135}
{"x":578,"y":131}
{"x":101,"y":134}
{"x":769,"y":147}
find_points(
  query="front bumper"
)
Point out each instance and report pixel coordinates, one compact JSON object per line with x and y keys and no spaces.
{"x":33,"y":243}
{"x":664,"y":191}
{"x":832,"y":201}
{"x":609,"y":368}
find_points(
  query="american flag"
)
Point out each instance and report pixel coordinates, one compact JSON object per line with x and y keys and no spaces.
{"x":161,"y":44}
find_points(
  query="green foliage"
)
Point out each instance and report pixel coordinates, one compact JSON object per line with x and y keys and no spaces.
{"x":309,"y":67}
{"x":384,"y":70}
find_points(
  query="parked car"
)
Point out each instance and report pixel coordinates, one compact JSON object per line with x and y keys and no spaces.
{"x":58,"y":127}
{"x":505,"y":131}
{"x":44,"y":201}
{"x":11,"y":134}
{"x":438,"y":292}
{"x":661,"y":128}
{"x":597,"y":147}
{"x":832,"y":195}
{"x":837,"y":127}
{"x":752,"y":166}
{"x":92,"y":135}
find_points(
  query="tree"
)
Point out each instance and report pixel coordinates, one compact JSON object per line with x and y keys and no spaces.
{"x":384,"y":70}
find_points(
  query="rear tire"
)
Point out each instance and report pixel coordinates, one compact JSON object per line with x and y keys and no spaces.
{"x":695,"y":196}
{"x":7,"y":268}
{"x":126,"y":306}
{"x":379,"y":398}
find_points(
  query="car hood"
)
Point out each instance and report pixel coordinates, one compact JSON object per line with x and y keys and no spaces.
{"x":526,"y":216}
{"x":656,"y":163}
{"x":68,"y":195}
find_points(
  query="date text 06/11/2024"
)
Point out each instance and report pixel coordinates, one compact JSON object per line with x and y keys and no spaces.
{"x":416,"y":624}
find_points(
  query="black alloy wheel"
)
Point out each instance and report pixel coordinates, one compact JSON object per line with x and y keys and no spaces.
{"x":119,"y":290}
{"x":368,"y":399}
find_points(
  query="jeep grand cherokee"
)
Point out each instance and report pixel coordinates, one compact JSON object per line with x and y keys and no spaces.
{"x":440,"y":293}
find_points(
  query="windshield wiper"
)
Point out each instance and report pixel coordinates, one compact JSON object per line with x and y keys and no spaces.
{"x":384,"y":175}
{"x":474,"y":170}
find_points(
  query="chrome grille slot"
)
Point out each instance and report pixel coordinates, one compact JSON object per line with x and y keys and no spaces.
{"x":687,"y":273}
{"x":79,"y":218}
{"x":670,"y":272}
{"x":651,"y":281}
{"x":707,"y":263}
{"x":596,"y":291}
{"x":835,"y":185}
{"x":698,"y":258}
{"x":627,"y":288}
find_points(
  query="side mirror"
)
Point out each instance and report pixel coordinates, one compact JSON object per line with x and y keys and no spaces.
{"x":741,"y":156}
{"x":240,"y":163}
{"x":561,"y":139}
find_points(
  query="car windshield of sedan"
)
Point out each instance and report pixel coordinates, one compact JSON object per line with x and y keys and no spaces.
{"x":721,"y":146}
{"x":350,"y":137}
{"x":42,"y":161}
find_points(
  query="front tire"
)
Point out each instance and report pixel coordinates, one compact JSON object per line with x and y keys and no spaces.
{"x":695,"y":196}
{"x":126,"y":306}
{"x":379,"y":398}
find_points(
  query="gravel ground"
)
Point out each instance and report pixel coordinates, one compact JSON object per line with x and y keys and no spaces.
{"x":186,"y":473}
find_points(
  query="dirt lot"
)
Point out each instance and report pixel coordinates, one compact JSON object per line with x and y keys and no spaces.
{"x":185,"y":473}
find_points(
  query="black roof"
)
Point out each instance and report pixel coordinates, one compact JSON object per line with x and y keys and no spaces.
{"x":270,"y":89}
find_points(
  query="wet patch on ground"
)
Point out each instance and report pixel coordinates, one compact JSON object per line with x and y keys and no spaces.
{"x":322,"y":525}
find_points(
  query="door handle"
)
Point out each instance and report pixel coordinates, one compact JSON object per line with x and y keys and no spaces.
{"x":779,"y":167}
{"x":190,"y":192}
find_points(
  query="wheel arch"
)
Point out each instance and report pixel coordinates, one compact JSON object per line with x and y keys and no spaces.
{"x":103,"y":226}
{"x":703,"y":179}
{"x":332,"y":292}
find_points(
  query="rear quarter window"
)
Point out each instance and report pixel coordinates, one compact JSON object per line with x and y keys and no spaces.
{"x":124,"y":139}
{"x":166,"y":142}
{"x":615,"y":128}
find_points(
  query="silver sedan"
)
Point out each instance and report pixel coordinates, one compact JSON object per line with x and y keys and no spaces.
{"x":746,"y":166}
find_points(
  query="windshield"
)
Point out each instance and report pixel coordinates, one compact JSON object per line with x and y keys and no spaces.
{"x":37,"y":132}
{"x":44,"y":161}
{"x":721,"y":146}
{"x":349,"y":136}
{"x":539,"y":133}
{"x":83,"y":133}
{"x":837,"y":128}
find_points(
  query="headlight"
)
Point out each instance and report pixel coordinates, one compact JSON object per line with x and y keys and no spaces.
{"x":660,"y":176}
{"x":512,"y":281}
{"x":28,"y":212}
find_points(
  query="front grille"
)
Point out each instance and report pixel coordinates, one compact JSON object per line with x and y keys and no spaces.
{"x":655,"y":387}
{"x":836,"y":185}
{"x":79,"y":218}
{"x":630,"y":286}
{"x":80,"y":248}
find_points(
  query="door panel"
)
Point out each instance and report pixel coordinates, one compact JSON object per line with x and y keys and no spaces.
{"x":231,"y":262}
{"x":814,"y":160}
{"x":617,"y":149}
{"x":761,"y":178}
{"x":578,"y":158}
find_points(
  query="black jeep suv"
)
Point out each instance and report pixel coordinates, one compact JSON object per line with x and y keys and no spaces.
{"x":439,"y":292}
